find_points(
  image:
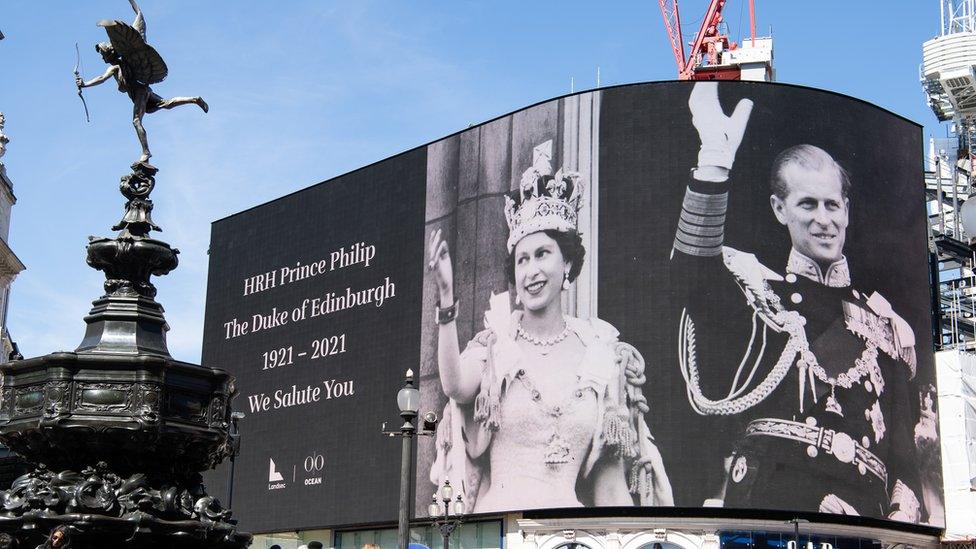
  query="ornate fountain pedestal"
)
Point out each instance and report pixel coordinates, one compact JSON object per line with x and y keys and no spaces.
{"x":118,"y":431}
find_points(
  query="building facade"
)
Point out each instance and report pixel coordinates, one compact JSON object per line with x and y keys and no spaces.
{"x":10,"y":265}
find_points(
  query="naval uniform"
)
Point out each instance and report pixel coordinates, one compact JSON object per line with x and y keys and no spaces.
{"x":807,"y":379}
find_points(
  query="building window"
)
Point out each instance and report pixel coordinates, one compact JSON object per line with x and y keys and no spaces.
{"x":736,"y":540}
{"x":470,"y":535}
{"x":659,"y":545}
{"x":776,"y":540}
{"x":784,"y":540}
{"x":290,"y":540}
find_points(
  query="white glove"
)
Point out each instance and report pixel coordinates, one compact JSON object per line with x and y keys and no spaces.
{"x":720,"y":135}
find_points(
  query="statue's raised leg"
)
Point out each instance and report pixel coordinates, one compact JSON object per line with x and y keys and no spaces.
{"x":177,"y":101}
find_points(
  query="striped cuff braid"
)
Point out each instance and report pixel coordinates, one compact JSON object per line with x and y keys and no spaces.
{"x":701,"y":228}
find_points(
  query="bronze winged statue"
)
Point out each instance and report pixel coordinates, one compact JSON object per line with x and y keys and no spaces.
{"x":135,"y":65}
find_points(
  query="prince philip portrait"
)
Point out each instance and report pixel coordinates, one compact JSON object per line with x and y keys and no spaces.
{"x":807,"y":383}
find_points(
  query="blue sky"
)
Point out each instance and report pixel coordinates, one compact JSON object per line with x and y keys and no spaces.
{"x":301,"y":91}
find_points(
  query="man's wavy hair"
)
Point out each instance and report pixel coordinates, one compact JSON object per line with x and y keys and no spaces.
{"x":808,"y":157}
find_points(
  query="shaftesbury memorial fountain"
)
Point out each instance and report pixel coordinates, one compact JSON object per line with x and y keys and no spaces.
{"x":117,"y":432}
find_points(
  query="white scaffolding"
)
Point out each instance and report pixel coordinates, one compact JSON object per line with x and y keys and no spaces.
{"x":948,"y":76}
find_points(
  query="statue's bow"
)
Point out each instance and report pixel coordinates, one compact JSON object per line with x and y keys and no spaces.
{"x":78,"y":75}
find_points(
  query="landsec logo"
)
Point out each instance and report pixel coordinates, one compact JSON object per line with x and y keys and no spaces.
{"x":275,"y":480}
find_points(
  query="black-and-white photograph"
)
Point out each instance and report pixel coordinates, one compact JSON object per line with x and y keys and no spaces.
{"x":790,"y":335}
{"x":543,"y":403}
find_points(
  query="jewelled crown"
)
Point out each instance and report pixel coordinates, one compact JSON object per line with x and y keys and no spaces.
{"x":543,"y":201}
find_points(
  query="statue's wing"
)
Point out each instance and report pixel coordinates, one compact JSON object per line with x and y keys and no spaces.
{"x":143,"y":61}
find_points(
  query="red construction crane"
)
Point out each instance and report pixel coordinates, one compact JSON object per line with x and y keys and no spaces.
{"x":704,"y":61}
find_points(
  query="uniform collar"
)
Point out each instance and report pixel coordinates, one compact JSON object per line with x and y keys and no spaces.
{"x":838,"y":275}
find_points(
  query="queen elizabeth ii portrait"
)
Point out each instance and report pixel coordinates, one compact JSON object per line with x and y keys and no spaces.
{"x":544,"y":408}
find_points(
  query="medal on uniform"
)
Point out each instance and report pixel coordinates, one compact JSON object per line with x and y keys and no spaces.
{"x":832,"y":405}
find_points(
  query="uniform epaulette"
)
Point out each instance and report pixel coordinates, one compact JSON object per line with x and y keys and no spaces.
{"x":887,"y":330}
{"x":752,"y":277}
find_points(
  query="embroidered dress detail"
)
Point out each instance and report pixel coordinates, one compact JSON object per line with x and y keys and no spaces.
{"x":557,"y":450}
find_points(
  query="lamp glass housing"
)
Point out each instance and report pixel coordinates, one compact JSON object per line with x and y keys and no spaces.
{"x":447,"y":492}
{"x":434,"y":510}
{"x":458,"y":506}
{"x":968,"y":215}
{"x":408,"y":399}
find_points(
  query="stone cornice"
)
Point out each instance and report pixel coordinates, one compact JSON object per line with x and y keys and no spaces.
{"x":10,"y":264}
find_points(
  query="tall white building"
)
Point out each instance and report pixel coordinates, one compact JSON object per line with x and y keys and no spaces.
{"x":10,"y":265}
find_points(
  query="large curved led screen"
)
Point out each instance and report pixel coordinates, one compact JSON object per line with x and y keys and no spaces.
{"x":670,"y":294}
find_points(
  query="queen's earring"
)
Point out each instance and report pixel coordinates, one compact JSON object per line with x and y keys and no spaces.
{"x":565,"y":281}
{"x":518,"y":300}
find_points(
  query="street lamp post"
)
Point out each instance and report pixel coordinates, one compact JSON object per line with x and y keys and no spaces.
{"x":235,"y":442}
{"x":796,"y":531}
{"x":408,"y":400}
{"x":446,"y":514}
